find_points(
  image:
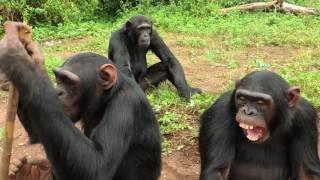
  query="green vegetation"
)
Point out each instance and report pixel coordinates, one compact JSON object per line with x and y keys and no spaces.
{"x":1,"y":133}
{"x":233,"y":44}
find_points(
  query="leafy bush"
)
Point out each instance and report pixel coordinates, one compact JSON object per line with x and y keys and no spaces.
{"x":47,"y":11}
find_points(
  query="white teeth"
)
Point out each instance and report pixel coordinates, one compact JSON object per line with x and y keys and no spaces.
{"x":245,"y":126}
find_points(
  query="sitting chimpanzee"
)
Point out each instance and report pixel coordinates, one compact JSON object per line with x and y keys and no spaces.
{"x":121,"y":137}
{"x":128,"y":48}
{"x":262,"y":130}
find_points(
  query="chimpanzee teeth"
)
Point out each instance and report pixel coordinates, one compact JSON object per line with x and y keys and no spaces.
{"x":245,"y":126}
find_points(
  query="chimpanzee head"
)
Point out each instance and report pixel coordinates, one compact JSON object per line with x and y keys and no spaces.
{"x":263,"y":100}
{"x":139,"y":29}
{"x":82,"y":80}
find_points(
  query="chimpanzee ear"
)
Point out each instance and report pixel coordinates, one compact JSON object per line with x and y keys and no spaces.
{"x":66,"y":77}
{"x":128,"y":25}
{"x":294,"y":96}
{"x":108,"y":74}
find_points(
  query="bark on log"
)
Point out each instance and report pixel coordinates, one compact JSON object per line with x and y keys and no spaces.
{"x":291,"y":8}
{"x":277,"y":5}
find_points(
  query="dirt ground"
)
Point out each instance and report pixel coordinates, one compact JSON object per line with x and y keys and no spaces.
{"x":180,"y":164}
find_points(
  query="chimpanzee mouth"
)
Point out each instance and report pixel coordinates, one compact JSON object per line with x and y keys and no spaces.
{"x":144,"y":43}
{"x":253,"y":133}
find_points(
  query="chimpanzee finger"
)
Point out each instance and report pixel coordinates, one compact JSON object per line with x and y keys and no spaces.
{"x":34,"y":51}
{"x":13,"y":29}
{"x":16,"y":165}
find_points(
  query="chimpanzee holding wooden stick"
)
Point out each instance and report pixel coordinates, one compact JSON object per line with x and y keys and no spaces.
{"x":121,"y":138}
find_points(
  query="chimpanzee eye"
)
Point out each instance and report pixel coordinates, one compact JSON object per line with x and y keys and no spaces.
{"x":241,"y":100}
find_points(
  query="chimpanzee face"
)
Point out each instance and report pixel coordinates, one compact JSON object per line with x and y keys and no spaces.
{"x":254,"y":113}
{"x":69,"y":92}
{"x":143,"y":34}
{"x":139,"y":29}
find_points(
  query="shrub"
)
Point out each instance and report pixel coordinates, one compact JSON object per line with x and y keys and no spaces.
{"x":47,"y":11}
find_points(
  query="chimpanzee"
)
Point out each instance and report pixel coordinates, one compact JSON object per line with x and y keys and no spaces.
{"x":261,"y":130}
{"x":128,"y":47}
{"x":121,"y":137}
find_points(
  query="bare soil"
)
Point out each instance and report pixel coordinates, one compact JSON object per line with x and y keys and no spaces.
{"x":183,"y":163}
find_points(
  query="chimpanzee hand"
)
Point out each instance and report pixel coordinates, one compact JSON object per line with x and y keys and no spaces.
{"x":16,"y":165}
{"x":13,"y":47}
{"x":23,"y":31}
{"x":188,"y":93}
{"x":195,"y":90}
{"x":15,"y":37}
{"x":36,"y":169}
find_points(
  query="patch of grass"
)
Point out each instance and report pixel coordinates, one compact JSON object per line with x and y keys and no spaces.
{"x":233,"y":64}
{"x":174,"y":113}
{"x":171,"y":122}
{"x":200,"y":102}
{"x":257,"y":62}
{"x":194,"y":42}
{"x":52,"y":62}
{"x":71,"y":30}
{"x":1,"y":133}
{"x":305,"y":73}
{"x":166,"y":146}
{"x":217,"y":57}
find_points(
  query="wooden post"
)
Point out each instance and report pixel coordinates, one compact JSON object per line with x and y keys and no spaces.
{"x":9,"y":132}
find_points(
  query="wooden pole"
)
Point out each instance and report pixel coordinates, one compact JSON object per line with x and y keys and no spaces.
{"x":9,"y":132}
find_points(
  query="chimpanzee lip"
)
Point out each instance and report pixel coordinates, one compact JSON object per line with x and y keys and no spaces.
{"x":253,"y":133}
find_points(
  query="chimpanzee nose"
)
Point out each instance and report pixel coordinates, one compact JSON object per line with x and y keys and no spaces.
{"x":248,"y":111}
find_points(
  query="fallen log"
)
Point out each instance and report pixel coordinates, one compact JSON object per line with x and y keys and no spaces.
{"x":276,"y":5}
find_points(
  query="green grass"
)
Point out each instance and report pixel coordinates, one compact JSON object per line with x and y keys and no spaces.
{"x":51,"y":62}
{"x":305,"y":73}
{"x":194,"y":42}
{"x":175,"y":113}
{"x":1,"y":133}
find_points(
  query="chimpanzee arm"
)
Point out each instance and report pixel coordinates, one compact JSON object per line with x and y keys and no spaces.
{"x":217,"y":138}
{"x":72,"y":155}
{"x":119,"y":54}
{"x":23,"y":112}
{"x":304,"y":157}
{"x":175,"y":70}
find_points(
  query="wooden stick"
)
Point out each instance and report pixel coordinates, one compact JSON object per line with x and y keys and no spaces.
{"x":9,"y":132}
